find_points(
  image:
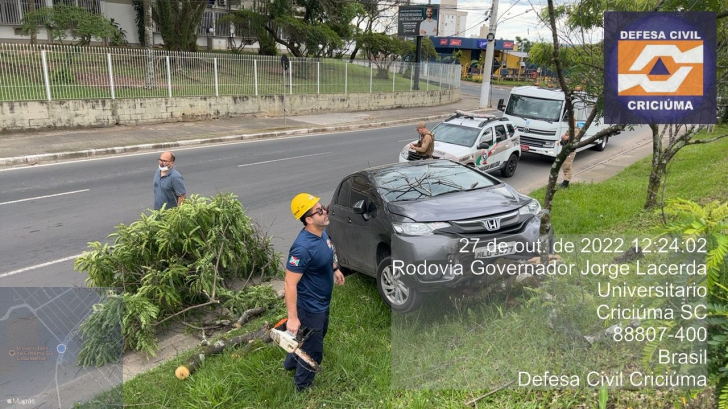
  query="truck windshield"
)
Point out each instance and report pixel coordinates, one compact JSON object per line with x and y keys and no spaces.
{"x":534,"y":108}
{"x":457,"y":135}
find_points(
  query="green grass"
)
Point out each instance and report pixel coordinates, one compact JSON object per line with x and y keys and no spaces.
{"x":74,"y":77}
{"x":457,"y":348}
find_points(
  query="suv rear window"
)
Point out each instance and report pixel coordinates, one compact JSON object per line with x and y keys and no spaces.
{"x":455,"y":134}
{"x":428,"y":180}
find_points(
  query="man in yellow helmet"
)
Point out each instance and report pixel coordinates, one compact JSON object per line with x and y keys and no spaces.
{"x":311,"y":271}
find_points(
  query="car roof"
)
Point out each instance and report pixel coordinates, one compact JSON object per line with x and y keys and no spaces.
{"x":386,"y":168}
{"x":474,"y":121}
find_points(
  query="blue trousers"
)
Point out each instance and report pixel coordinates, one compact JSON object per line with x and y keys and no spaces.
{"x":313,"y":346}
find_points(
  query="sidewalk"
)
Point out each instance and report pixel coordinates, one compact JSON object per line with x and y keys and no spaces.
{"x":30,"y":148}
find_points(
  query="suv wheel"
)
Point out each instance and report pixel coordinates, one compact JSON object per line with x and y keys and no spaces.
{"x":602,"y":145}
{"x":510,"y":168}
{"x":396,"y":294}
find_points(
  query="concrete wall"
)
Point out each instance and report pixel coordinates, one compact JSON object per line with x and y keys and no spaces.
{"x":40,"y":115}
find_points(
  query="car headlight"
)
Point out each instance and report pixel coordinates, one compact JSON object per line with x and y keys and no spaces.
{"x":533,"y":207}
{"x":549,"y":144}
{"x":418,"y":229}
{"x":404,"y":153}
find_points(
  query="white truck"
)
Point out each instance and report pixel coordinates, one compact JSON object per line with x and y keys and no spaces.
{"x":539,"y":115}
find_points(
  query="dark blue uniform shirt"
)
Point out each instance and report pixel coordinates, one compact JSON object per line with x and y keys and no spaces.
{"x":313,"y":257}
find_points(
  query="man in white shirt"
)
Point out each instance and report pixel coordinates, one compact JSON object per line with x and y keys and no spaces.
{"x":428,"y":26}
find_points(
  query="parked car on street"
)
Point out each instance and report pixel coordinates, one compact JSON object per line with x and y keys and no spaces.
{"x":390,"y":220}
{"x":478,"y":140}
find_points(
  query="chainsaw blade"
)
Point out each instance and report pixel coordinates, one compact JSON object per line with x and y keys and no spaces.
{"x":307,"y":359}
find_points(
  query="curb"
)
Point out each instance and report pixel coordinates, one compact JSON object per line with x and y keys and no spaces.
{"x":88,"y":153}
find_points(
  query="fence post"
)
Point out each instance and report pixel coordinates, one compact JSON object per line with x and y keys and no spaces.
{"x":412,"y":76}
{"x":111,"y":75}
{"x":169,"y":79}
{"x":45,"y":74}
{"x":371,"y":76}
{"x":255,"y":74}
{"x":318,"y":77}
{"x":290,"y":79}
{"x":346,"y":77}
{"x":394,"y":75}
{"x":440,"y":76}
{"x":217,"y":93}
{"x":427,"y":76}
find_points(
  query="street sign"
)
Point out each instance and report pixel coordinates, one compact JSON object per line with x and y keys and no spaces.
{"x":490,"y":37}
{"x":284,"y":62}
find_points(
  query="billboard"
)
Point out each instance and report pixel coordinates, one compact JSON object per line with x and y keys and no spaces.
{"x":660,"y":68}
{"x":418,"y":20}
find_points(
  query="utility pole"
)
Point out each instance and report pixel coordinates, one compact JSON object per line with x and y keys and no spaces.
{"x":488,"y":65}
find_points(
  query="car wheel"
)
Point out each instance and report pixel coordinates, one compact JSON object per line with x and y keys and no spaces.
{"x":602,"y":145}
{"x":510,"y":168}
{"x":396,"y":294}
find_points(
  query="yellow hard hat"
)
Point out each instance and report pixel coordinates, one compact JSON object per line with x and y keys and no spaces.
{"x":302,"y":203}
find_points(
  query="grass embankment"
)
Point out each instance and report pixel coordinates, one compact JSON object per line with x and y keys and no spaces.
{"x":459,"y":348}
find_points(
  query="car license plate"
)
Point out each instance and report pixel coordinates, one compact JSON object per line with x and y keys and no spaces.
{"x":501,"y":249}
{"x":525,"y":148}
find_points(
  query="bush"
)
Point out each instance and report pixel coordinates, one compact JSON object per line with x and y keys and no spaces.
{"x":173,"y":259}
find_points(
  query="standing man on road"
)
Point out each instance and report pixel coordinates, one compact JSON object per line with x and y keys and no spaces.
{"x":426,"y":145}
{"x":311,"y":272}
{"x":169,"y":187}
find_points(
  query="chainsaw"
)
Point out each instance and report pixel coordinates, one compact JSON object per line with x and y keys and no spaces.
{"x":292,"y":343}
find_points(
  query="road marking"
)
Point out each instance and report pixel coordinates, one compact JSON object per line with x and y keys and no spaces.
{"x":278,"y":160}
{"x":22,"y":270}
{"x":407,"y":140}
{"x":201,"y":146}
{"x":44,"y":197}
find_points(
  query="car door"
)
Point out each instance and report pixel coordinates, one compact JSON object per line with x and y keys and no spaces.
{"x":340,"y":224}
{"x":502,"y":149}
{"x":365,"y":239}
{"x":482,"y":157}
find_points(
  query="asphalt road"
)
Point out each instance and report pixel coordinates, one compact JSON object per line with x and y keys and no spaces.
{"x":473,"y":89}
{"x":49,"y":212}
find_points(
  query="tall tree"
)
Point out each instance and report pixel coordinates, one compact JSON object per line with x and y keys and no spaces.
{"x":177,"y":22}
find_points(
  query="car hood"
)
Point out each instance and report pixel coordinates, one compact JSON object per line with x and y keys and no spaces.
{"x":461,"y":205}
{"x":446,"y":150}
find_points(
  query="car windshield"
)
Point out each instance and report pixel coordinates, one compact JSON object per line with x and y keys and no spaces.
{"x":455,"y":134}
{"x":428,"y":180}
{"x":534,"y":108}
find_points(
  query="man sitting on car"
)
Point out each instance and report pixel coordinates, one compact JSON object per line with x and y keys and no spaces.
{"x":426,"y":145}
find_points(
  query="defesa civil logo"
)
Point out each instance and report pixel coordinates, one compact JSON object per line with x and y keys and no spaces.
{"x":660,"y":68}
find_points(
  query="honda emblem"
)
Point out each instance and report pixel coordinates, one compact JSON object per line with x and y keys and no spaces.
{"x":491,"y":224}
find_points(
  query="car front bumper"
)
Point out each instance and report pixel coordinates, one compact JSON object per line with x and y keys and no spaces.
{"x":436,"y":261}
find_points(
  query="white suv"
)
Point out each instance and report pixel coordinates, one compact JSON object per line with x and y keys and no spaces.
{"x":482,"y":141}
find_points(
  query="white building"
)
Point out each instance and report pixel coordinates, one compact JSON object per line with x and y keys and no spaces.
{"x":123,"y":13}
{"x":451,"y":21}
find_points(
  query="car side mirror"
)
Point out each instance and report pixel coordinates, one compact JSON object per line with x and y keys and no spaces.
{"x":484,"y":145}
{"x":360,"y":207}
{"x":501,"y":105}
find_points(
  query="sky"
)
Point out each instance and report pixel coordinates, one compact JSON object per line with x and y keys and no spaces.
{"x":515,"y":18}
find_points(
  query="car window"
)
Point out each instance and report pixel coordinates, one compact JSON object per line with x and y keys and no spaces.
{"x":428,"y":180}
{"x":342,"y":199}
{"x":511,"y":131}
{"x":455,"y":134}
{"x":500,"y":132}
{"x":487,"y":136}
{"x":359,"y":188}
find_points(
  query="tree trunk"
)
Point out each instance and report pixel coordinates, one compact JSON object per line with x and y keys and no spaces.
{"x":149,"y":43}
{"x":353,"y":53}
{"x":657,"y":169}
{"x":33,"y":34}
{"x":185,"y":370}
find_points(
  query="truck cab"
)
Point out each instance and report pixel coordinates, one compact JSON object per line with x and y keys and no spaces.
{"x":540,"y":117}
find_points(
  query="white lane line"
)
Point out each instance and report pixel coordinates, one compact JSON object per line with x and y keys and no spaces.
{"x":278,"y":160}
{"x":22,"y":270}
{"x":44,"y":197}
{"x":408,"y":140}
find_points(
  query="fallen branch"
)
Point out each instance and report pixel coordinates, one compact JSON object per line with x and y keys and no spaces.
{"x":474,"y":401}
{"x":248,"y":314}
{"x":185,"y":370}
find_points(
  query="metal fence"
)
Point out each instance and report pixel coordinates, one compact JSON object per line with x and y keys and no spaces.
{"x":48,"y":72}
